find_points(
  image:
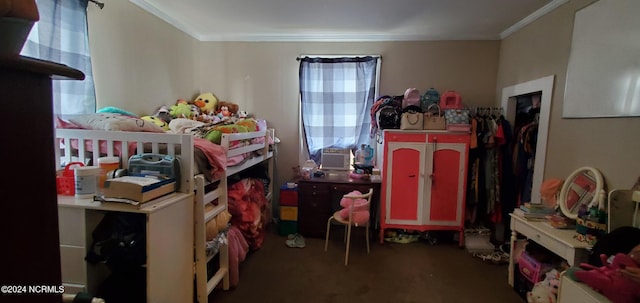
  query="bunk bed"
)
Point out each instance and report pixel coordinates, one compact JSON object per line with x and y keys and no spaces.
{"x":206,"y":187}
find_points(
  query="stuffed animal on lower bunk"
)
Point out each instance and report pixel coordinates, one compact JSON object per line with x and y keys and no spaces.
{"x":618,"y":279}
{"x":219,"y":224}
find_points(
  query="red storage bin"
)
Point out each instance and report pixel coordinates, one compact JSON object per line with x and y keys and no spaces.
{"x":65,"y":180}
{"x":288,"y":196}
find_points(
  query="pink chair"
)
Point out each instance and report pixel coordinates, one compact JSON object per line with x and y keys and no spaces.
{"x":355,"y":213}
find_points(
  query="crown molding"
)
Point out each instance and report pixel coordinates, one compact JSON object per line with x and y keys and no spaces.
{"x":533,"y":17}
{"x":321,"y":37}
{"x":166,"y":18}
{"x":334,"y":38}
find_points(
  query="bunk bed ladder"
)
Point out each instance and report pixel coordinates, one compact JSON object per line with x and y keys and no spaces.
{"x":205,"y":286}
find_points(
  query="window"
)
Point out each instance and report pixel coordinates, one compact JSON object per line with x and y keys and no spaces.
{"x":336,"y":96}
{"x":61,"y":36}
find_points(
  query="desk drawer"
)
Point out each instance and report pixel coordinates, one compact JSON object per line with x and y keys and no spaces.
{"x":541,"y":238}
{"x":71,"y":224}
{"x":73,"y":266}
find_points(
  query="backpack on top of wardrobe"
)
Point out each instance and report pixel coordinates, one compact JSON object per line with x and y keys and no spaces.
{"x":385,"y":113}
{"x":430,"y":97}
{"x":411,"y":98}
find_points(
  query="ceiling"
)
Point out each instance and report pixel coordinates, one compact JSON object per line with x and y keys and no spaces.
{"x":348,"y":20}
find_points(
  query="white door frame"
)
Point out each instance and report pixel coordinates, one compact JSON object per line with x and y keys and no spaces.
{"x":544,"y":85}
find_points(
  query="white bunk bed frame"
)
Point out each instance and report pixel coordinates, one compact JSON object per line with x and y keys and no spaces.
{"x":181,"y":146}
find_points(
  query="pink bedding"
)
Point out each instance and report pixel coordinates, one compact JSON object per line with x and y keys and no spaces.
{"x":248,"y":208}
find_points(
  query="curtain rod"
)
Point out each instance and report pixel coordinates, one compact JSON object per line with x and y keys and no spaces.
{"x":97,"y":3}
{"x":337,"y":56}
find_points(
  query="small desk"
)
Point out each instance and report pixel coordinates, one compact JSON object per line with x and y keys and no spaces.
{"x":559,"y":241}
{"x":169,"y":240}
{"x":319,"y":197}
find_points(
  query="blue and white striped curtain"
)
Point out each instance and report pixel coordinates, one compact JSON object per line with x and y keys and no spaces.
{"x":336,"y":97}
{"x":61,"y":36}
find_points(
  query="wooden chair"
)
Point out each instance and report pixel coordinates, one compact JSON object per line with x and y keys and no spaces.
{"x":349,"y":222}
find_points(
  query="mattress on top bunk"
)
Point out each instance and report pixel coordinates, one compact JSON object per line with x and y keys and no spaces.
{"x":209,"y":158}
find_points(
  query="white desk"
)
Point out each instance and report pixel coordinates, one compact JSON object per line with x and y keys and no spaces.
{"x":169,"y":238}
{"x":559,"y":241}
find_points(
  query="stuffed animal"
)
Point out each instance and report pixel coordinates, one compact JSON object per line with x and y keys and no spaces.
{"x":541,"y":293}
{"x":215,"y":134}
{"x":219,"y":223}
{"x":157,"y":121}
{"x":207,"y":102}
{"x":163,"y":113}
{"x":181,"y":109}
{"x":609,"y":281}
{"x":227,"y":109}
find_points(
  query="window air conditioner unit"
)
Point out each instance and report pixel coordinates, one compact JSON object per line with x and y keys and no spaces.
{"x":336,"y":159}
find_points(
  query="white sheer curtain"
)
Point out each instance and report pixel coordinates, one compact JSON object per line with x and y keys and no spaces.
{"x":61,"y":36}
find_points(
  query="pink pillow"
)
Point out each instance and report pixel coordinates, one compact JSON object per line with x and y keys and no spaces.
{"x":359,"y":217}
{"x":358,"y":204}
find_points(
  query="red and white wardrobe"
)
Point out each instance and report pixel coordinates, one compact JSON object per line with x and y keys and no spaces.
{"x":424,"y":176}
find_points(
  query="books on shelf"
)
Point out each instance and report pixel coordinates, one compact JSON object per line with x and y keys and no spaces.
{"x":139,"y":189}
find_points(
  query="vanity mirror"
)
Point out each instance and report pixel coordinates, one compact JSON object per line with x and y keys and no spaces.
{"x":582,"y":187}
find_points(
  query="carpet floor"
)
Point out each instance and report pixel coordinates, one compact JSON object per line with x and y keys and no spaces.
{"x":414,"y":272}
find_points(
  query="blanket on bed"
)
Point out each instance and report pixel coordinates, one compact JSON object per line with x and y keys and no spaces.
{"x":248,"y":206}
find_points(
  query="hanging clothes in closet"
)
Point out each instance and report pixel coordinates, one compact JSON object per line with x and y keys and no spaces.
{"x":484,"y":195}
{"x":524,"y":150}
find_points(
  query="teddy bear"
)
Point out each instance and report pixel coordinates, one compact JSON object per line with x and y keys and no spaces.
{"x":226,"y":109}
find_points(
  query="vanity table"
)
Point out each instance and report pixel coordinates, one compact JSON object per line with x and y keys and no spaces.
{"x":558,"y":241}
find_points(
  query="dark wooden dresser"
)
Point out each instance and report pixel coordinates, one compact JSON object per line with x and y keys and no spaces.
{"x":29,"y":210}
{"x":318,"y":198}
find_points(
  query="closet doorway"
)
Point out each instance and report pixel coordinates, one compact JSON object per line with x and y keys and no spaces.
{"x":532,"y":97}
